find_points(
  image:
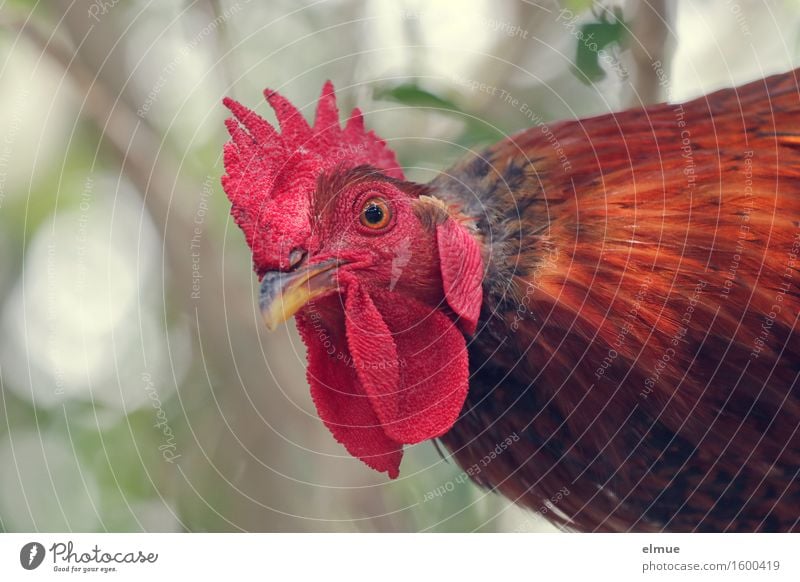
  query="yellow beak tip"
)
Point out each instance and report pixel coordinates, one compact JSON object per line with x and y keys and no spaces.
{"x":283,"y":295}
{"x":272,"y":320}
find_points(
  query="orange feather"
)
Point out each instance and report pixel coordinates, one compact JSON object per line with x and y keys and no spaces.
{"x":640,"y":328}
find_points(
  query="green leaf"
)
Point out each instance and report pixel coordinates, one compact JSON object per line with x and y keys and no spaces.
{"x":476,"y":131}
{"x":414,"y":96}
{"x":593,"y":38}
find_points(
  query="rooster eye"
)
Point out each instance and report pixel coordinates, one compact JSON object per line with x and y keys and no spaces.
{"x":375,"y":214}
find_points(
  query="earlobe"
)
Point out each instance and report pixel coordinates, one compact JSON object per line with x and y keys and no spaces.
{"x":461,"y":265}
{"x":460,"y":261}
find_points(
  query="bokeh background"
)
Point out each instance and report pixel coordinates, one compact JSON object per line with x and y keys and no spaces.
{"x":138,"y":388}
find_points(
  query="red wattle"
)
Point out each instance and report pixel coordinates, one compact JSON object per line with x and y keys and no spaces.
{"x":393,"y":372}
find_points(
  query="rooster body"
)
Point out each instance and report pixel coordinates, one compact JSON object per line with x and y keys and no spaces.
{"x":616,"y":297}
{"x":640,"y":314}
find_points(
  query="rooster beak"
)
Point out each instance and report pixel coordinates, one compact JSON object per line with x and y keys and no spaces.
{"x":284,"y":293}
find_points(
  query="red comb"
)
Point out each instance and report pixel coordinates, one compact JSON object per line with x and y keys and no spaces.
{"x":270,"y":176}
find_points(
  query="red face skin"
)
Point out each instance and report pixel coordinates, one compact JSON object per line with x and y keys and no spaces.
{"x":400,"y":257}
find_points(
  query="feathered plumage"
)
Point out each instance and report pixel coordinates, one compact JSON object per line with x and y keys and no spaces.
{"x":637,"y":348}
{"x":639,"y":329}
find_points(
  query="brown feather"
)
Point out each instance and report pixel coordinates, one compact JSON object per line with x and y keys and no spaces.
{"x":640,"y":327}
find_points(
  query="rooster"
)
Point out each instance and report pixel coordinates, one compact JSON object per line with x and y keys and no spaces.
{"x":598,"y":318}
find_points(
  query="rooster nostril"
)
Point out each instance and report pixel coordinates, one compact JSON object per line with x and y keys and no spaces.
{"x":296,"y":257}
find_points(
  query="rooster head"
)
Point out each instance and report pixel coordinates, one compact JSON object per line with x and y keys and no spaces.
{"x":384,"y":278}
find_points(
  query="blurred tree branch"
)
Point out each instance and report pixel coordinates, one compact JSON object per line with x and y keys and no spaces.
{"x":92,"y":58}
{"x":652,"y":41}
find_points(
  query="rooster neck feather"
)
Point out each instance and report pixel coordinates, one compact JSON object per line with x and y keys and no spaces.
{"x":642,"y":286}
